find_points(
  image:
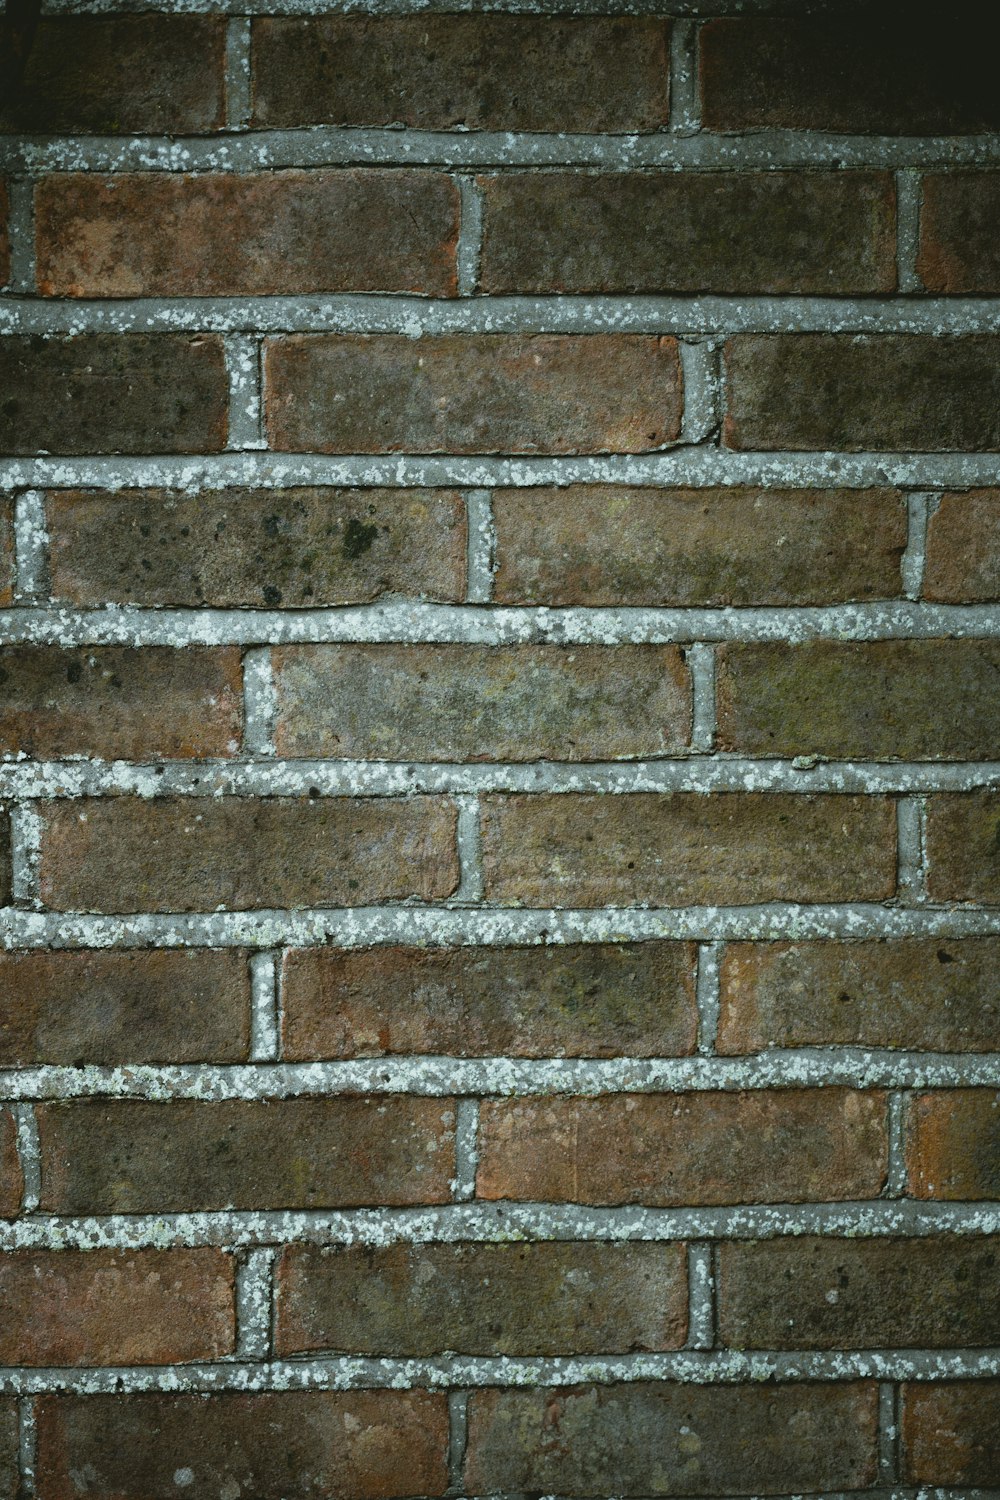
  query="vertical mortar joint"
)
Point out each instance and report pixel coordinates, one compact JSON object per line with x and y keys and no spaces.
{"x":908,"y":205}
{"x":470,"y":850}
{"x":260,"y":702}
{"x":466,"y":1149}
{"x":265,"y":1029}
{"x":685,"y":93}
{"x":31,"y":548}
{"x":470,"y":236}
{"x":238,"y":90}
{"x":244,"y":365}
{"x":707,"y":997}
{"x":700,"y":660}
{"x":480,"y":546}
{"x":701,"y":1296}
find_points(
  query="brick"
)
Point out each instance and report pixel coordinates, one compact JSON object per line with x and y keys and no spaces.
{"x":577,"y":1000}
{"x":670,"y":1439}
{"x":592,"y":850}
{"x":256,"y":548}
{"x":963,"y":549}
{"x":10,"y":1468}
{"x":958,"y":251}
{"x":174,"y":1006}
{"x":7,"y":550}
{"x":518,"y":1299}
{"x":612,"y":544}
{"x":950,"y":1432}
{"x":857,"y":69}
{"x":670,"y":1150}
{"x":812,"y":1293}
{"x":915,"y":700}
{"x":472,"y":393}
{"x":115,"y":74}
{"x":863,"y":391}
{"x":253,"y":234}
{"x":474,"y":72}
{"x":513,"y":703}
{"x":116,"y":703}
{"x":11,"y":1176}
{"x":963,"y":846}
{"x":125,"y":854}
{"x":276,"y":1445}
{"x":939,"y":995}
{"x":673,"y":232}
{"x":953,"y":1145}
{"x":116,"y":1307}
{"x":104,"y":392}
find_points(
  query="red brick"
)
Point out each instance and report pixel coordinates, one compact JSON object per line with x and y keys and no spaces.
{"x":178,"y":854}
{"x":174,"y":1006}
{"x":669,"y":1150}
{"x":729,"y":849}
{"x":953,"y":1145}
{"x":6,"y":550}
{"x":950,"y":1432}
{"x":126,"y":1156}
{"x":578,"y":1000}
{"x":958,"y":249}
{"x":11,"y":1176}
{"x":208,"y":235}
{"x":963,"y":549}
{"x":475,"y":72}
{"x":963,"y":846}
{"x":448,"y":703}
{"x":116,"y":1307}
{"x":116,"y":703}
{"x":276,"y":1445}
{"x":472,"y":393}
{"x":519,"y":1299}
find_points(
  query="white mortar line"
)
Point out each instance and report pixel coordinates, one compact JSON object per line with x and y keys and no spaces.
{"x":912,"y":875}
{"x":685,"y":100}
{"x":243,"y":361}
{"x":254,"y":1302}
{"x":700,"y":659}
{"x":458,"y":1429}
{"x":470,"y":851}
{"x":21,"y":234}
{"x":480,"y":546}
{"x":418,"y":7}
{"x":466,"y":1148}
{"x":888,"y":1432}
{"x":260,"y":703}
{"x":908,"y":195}
{"x":27,"y":1447}
{"x":265,"y":1035}
{"x":470,"y":236}
{"x":25,"y":852}
{"x":919,"y":509}
{"x":701,"y":1297}
{"x":896,"y":1108}
{"x":707,"y":995}
{"x":238,"y":102}
{"x":31,"y":547}
{"x":29,"y":1155}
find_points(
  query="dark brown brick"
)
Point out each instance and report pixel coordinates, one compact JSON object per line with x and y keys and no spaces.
{"x":472,"y":393}
{"x":513,"y":703}
{"x":669,"y":1150}
{"x":6,"y":550}
{"x":610,"y":544}
{"x":519,"y":1299}
{"x":689,"y":232}
{"x":116,"y":1307}
{"x":113,"y":393}
{"x":127,"y":1156}
{"x":294,"y":548}
{"x":963,"y":846}
{"x":939,"y":995}
{"x":278,"y":1445}
{"x":10,"y":1467}
{"x":953,"y":1144}
{"x":593,"y":850}
{"x":950,"y":1432}
{"x":116,"y":703}
{"x":876,"y":700}
{"x":578,"y":1000}
{"x":475,"y":72}
{"x":958,"y":248}
{"x":963,"y":549}
{"x":217,"y":235}
{"x":173,"y":1006}
{"x":114,"y":74}
{"x":671,"y":1439}
{"x":124,"y":854}
{"x":811,"y":1293}
{"x":860,"y":391}
{"x":11,"y":1176}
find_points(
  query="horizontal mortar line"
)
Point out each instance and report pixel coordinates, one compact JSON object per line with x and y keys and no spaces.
{"x":496,"y":1223}
{"x":698,"y":466}
{"x":415,"y":316}
{"x":409,"y":7}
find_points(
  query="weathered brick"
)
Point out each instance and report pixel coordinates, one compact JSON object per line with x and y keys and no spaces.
{"x":116,"y":1307}
{"x":125,"y":854}
{"x":116,"y":703}
{"x":472,"y":393}
{"x":105,"y":392}
{"x":541,"y":1299}
{"x":915,"y":700}
{"x":11,"y":1176}
{"x":963,"y":846}
{"x":10,"y":1468}
{"x":950,"y":1432}
{"x":760,"y":1146}
{"x":443,"y":702}
{"x":172,"y":1006}
{"x":218,"y":235}
{"x":855,"y":68}
{"x":674,"y":232}
{"x":939,"y":994}
{"x":953,"y":1144}
{"x":958,"y":250}
{"x":861,"y":391}
{"x":611,"y":544}
{"x":592,"y":850}
{"x":277,"y":1445}
{"x":6,"y":550}
{"x":474,"y":72}
{"x":812,"y":1293}
{"x":128,"y":1156}
{"x":291,"y":548}
{"x":671,"y":1439}
{"x":115,"y":74}
{"x":963,"y":549}
{"x":578,"y":1000}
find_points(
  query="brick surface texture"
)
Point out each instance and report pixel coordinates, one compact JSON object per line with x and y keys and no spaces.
{"x":499,"y":750}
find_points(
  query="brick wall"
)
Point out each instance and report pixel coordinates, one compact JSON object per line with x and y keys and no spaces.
{"x":499,"y":555}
